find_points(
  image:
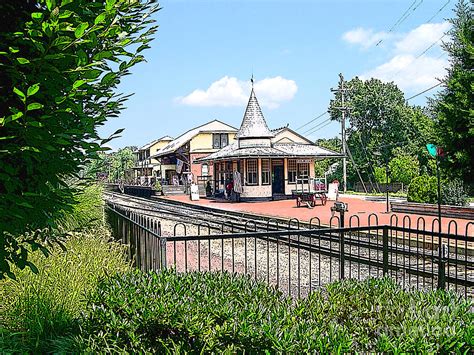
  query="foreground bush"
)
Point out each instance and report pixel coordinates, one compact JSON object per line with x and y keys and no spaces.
{"x":453,"y":193}
{"x":423,"y":189}
{"x":41,"y":308}
{"x":218,"y":312}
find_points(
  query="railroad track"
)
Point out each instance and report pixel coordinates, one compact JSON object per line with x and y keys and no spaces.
{"x":237,"y":222}
{"x":199,"y":215}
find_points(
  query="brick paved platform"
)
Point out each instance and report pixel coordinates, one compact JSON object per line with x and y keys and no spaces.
{"x":357,"y":206}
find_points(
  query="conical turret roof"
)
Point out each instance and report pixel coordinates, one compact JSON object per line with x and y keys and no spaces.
{"x":253,"y":124}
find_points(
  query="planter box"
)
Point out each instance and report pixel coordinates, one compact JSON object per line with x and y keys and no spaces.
{"x":432,"y":210}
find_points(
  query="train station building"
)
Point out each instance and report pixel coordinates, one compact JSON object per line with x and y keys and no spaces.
{"x":176,"y":161}
{"x":264,"y":164}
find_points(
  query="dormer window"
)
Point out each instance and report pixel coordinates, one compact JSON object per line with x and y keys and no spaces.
{"x":220,"y":140}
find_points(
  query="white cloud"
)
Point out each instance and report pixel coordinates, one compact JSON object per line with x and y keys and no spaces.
{"x":408,"y":66}
{"x":226,"y":91}
{"x":272,"y":91}
{"x":421,"y":37}
{"x":409,"y":73}
{"x":364,"y":37}
{"x":229,"y":91}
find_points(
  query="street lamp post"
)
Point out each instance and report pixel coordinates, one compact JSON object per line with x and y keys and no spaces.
{"x":437,"y":153}
{"x":386,"y":183}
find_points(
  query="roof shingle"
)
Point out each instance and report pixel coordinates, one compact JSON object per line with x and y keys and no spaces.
{"x":253,"y":123}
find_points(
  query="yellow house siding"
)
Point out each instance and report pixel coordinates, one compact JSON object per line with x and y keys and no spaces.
{"x":202,"y":142}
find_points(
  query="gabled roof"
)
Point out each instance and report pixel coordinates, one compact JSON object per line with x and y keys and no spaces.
{"x":153,"y":142}
{"x":165,"y":138}
{"x":214,"y":126}
{"x":253,"y":124}
{"x":288,"y":129}
{"x":275,"y":131}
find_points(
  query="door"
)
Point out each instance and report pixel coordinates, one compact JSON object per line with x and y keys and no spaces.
{"x":277,"y":179}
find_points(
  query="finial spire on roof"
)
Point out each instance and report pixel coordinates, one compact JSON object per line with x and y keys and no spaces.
{"x":251,"y":80}
{"x":253,"y":123}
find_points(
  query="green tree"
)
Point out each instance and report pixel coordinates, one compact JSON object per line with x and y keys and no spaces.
{"x":380,"y":123}
{"x":61,"y":62}
{"x":121,"y":161}
{"x":380,"y":175}
{"x":323,"y":166}
{"x":114,"y":165}
{"x":404,"y":167}
{"x":454,"y":106}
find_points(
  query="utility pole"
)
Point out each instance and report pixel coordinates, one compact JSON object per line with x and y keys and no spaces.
{"x":343,"y":109}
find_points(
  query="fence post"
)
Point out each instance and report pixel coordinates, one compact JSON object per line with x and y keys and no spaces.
{"x":342,"y":260}
{"x":442,"y":254}
{"x":163,"y":253}
{"x":385,"y":250}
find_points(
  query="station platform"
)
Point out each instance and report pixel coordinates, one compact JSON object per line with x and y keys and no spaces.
{"x":367,"y":212}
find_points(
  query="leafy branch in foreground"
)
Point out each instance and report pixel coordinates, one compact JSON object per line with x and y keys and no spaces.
{"x":60,"y":64}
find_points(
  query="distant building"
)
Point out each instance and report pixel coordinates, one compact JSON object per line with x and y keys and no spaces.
{"x":145,"y":165}
{"x":269,"y":161}
{"x":176,"y":161}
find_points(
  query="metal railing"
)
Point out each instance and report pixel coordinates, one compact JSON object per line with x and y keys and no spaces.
{"x":141,"y":234}
{"x":297,"y":261}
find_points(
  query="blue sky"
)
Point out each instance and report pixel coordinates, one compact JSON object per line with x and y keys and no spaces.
{"x":204,"y":53}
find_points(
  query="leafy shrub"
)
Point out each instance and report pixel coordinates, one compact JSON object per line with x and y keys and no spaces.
{"x":453,"y":193}
{"x":219,"y":312}
{"x":423,"y":189}
{"x":404,"y":167}
{"x":166,"y":311}
{"x":378,"y":315}
{"x":380,"y":174}
{"x":39,"y":308}
{"x":61,"y":63}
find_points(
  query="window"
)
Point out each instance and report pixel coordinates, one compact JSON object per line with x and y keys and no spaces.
{"x":216,"y":141}
{"x":220,"y":140}
{"x":292,"y":171}
{"x":265,"y":172}
{"x":303,"y":170}
{"x":224,"y":140}
{"x":204,"y":170}
{"x":252,"y":172}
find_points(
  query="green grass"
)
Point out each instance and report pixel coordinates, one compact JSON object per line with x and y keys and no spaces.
{"x":39,"y":308}
{"x":40,"y":311}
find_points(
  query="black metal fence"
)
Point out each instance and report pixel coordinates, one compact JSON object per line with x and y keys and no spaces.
{"x":141,"y":234}
{"x":297,"y":261}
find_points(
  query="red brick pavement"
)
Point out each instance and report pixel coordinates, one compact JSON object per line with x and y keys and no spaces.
{"x":357,"y":207}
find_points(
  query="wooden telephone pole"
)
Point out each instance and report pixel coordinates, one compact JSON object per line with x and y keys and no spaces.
{"x":343,"y":110}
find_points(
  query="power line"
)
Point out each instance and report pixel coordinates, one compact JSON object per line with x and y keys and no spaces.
{"x":314,"y":119}
{"x":431,"y":46}
{"x":312,"y":129}
{"x":436,"y":14}
{"x":414,"y":5}
{"x":418,"y":56}
{"x":431,"y":88}
{"x":327,"y":124}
